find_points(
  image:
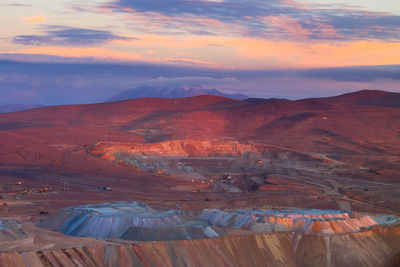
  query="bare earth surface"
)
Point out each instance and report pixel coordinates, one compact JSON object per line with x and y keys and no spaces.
{"x":205,"y":153}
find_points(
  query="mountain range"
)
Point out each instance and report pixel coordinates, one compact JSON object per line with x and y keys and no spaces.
{"x":163,"y":91}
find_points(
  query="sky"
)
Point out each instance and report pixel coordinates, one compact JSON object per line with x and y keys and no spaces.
{"x":64,"y":52}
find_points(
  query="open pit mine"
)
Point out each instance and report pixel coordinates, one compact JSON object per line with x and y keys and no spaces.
{"x":202,"y":181}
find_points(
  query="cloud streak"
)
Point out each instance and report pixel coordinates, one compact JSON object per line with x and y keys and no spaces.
{"x":278,"y":19}
{"x":354,"y":74}
{"x":68,"y":36}
{"x":19,"y":5}
{"x":165,"y":72}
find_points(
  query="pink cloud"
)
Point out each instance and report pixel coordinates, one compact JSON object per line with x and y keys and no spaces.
{"x":34,"y":19}
{"x":288,"y":25}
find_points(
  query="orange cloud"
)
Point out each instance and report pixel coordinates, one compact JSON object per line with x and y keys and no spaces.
{"x":256,"y":53}
{"x":34,"y":19}
{"x":305,"y":55}
{"x":237,"y":52}
{"x":109,"y":55}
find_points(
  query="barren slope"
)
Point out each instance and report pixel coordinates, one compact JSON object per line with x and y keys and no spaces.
{"x":200,"y":153}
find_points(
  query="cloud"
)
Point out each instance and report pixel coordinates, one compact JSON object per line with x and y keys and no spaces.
{"x":241,"y":53}
{"x":188,"y":60}
{"x":34,"y":19}
{"x":85,"y":82}
{"x":19,"y":5}
{"x":68,"y":36}
{"x":354,"y":74}
{"x":193,"y":80}
{"x":278,"y":19}
{"x":356,"y":24}
{"x":53,"y":65}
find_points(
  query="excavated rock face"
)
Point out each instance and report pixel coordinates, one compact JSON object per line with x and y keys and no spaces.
{"x":226,"y":251}
{"x":374,"y":248}
{"x":306,"y":221}
{"x":128,"y":220}
{"x":10,"y":230}
{"x":247,"y":164}
{"x":193,"y":148}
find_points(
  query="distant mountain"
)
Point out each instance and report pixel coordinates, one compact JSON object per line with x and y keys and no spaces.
{"x":374,"y":98}
{"x":170,"y":92}
{"x":17,"y":107}
{"x":264,"y":100}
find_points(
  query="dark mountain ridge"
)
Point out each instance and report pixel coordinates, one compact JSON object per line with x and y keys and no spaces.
{"x":170,"y":92}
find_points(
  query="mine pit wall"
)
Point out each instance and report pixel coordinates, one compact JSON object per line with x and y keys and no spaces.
{"x":373,"y":248}
{"x":196,"y":148}
{"x":205,"y":156}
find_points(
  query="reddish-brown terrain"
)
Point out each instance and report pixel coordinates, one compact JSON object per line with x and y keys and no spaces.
{"x":205,"y":152}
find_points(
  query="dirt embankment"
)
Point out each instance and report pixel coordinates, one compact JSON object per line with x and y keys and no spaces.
{"x":373,"y":248}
